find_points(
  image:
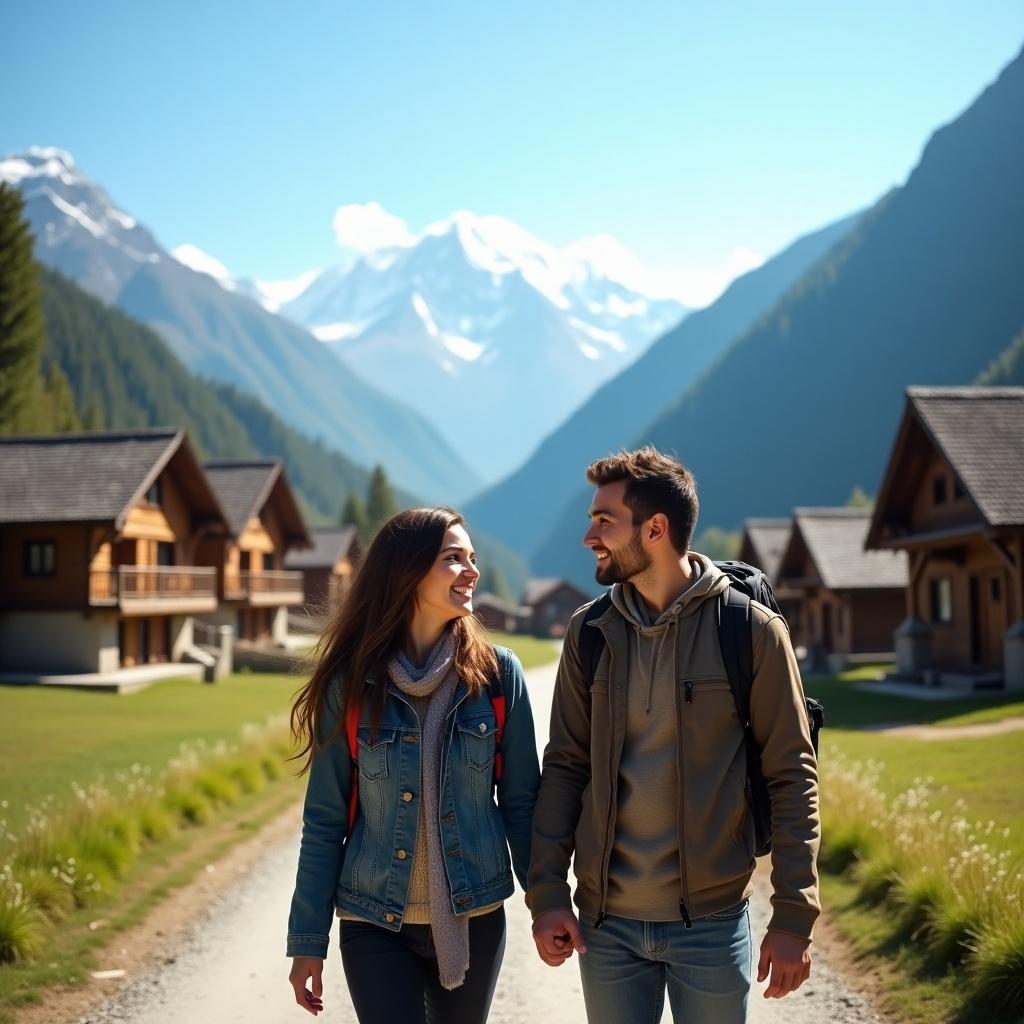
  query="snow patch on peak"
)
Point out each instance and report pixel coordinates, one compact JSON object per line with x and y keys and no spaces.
{"x":275,"y":294}
{"x":39,"y":162}
{"x":203,"y":263}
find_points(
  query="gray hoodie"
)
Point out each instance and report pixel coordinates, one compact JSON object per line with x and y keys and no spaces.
{"x":643,"y":873}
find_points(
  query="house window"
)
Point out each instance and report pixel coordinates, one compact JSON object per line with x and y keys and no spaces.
{"x":942,"y":599}
{"x":958,"y":488}
{"x":997,"y":589}
{"x":268,"y":560}
{"x":40,"y":558}
{"x":939,"y":491}
{"x":840,"y":619}
{"x":164,"y":553}
{"x":155,"y":493}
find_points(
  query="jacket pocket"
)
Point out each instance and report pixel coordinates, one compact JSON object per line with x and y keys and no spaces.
{"x":374,"y":753}
{"x":478,"y":742}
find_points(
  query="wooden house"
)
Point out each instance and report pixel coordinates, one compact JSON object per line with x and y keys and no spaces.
{"x":763,"y":545}
{"x":851,"y":600}
{"x":327,"y":567}
{"x":550,"y":604}
{"x":494,"y":613}
{"x":952,"y":499}
{"x":100,"y":536}
{"x":265,"y":524}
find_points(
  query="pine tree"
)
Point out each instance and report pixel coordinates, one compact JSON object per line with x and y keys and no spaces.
{"x":859,"y":499}
{"x":62,"y":415}
{"x":22,"y":330}
{"x":380,"y":500}
{"x":354,"y":514}
{"x":93,"y":418}
{"x":493,"y":582}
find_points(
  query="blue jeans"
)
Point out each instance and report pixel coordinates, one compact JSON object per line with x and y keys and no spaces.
{"x":706,"y":968}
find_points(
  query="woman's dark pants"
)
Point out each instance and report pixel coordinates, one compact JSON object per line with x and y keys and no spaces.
{"x":392,"y":976}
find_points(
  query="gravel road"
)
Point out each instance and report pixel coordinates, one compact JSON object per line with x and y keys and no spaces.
{"x":233,"y":966}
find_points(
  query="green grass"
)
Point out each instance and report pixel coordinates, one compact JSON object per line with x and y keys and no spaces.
{"x":847,"y":707}
{"x":51,"y":738}
{"x":531,"y":650}
{"x":931,"y":934}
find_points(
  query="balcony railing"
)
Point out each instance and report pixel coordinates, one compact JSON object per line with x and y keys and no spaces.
{"x":274,"y":586}
{"x":131,"y":584}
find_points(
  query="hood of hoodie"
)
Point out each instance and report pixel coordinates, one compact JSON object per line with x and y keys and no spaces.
{"x":710,"y":581}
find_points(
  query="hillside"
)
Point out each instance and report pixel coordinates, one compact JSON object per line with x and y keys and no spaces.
{"x":521,"y":508}
{"x":925,"y":290}
{"x":123,"y":376}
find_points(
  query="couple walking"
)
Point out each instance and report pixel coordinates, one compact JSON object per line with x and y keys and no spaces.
{"x":423,"y":778}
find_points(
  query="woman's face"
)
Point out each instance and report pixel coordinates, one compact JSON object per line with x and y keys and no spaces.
{"x":446,"y":592}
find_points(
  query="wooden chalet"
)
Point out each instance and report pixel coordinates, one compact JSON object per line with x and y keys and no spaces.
{"x":100,"y":538}
{"x":952,"y":499}
{"x":851,"y":600}
{"x":494,"y":613}
{"x":763,"y":545}
{"x":550,"y":604}
{"x":265,"y":524}
{"x":327,"y":567}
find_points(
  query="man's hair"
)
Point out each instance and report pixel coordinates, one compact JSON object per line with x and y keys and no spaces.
{"x":654,"y":483}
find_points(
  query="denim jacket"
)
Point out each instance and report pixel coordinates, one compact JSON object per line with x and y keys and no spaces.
{"x":368,"y":873}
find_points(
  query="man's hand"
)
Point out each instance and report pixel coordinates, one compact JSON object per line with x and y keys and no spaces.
{"x":556,"y":934}
{"x":304,"y":967}
{"x":789,"y":959}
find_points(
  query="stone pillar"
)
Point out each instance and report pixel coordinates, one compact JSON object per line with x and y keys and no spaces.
{"x":913,"y":643}
{"x":225,"y":655}
{"x":1013,"y":656}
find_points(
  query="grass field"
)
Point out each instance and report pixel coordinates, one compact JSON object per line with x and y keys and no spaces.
{"x":897,"y":900}
{"x":52,"y":738}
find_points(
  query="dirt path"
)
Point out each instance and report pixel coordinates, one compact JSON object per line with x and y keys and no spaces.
{"x":951,"y":732}
{"x":231,"y":966}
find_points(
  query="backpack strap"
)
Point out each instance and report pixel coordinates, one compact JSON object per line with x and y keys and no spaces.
{"x":592,"y":640}
{"x":736,"y":641}
{"x":352,"y":716}
{"x":496,"y":692}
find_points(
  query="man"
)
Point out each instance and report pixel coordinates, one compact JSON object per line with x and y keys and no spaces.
{"x":644,"y":777}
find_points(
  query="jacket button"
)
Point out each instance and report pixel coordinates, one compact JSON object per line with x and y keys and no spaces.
{"x":390,"y":918}
{"x":407,"y":796}
{"x":483,"y":727}
{"x":401,"y":855}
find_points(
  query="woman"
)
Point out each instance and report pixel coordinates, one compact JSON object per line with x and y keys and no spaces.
{"x":417,"y":868}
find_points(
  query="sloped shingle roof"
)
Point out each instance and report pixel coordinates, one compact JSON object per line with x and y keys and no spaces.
{"x":981,"y":433}
{"x":80,"y":477}
{"x":540,"y":588}
{"x":329,"y":544}
{"x":242,"y":487}
{"x":835,"y":539}
{"x":769,"y":538}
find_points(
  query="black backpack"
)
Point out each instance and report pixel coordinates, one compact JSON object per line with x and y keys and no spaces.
{"x":735,"y":638}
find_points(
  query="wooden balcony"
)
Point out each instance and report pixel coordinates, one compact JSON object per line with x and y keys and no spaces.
{"x":155,"y":589}
{"x":264,"y":589}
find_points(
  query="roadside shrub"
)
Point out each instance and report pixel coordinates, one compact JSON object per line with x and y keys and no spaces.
{"x":190,"y":806}
{"x":21,"y":932}
{"x":248,"y":775}
{"x":217,"y":787}
{"x":157,"y":823}
{"x":947,"y":879}
{"x":47,"y":890}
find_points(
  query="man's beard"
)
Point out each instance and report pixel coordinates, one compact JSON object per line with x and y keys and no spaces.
{"x":623,"y":564}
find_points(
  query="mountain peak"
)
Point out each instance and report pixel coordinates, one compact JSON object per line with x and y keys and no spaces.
{"x":39,"y":162}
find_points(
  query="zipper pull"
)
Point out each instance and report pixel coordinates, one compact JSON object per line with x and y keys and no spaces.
{"x":688,"y":686}
{"x":685,"y":915}
{"x":600,"y":920}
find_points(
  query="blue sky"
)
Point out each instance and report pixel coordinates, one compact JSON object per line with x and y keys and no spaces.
{"x":688,"y":131}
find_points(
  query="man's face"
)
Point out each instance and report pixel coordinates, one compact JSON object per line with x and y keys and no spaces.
{"x":612,"y":537}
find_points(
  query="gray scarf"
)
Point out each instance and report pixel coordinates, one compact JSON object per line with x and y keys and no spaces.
{"x":436,"y":680}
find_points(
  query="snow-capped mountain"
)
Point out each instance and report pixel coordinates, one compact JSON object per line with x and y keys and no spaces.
{"x":217,"y":330}
{"x":89,"y":239}
{"x":477,"y":310}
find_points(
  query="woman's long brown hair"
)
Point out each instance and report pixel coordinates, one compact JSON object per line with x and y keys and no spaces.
{"x":373,"y":623}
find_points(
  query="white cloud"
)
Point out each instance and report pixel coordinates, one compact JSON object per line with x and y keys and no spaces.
{"x":366,"y":227}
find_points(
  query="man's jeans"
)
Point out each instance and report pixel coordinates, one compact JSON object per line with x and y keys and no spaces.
{"x":706,"y":968}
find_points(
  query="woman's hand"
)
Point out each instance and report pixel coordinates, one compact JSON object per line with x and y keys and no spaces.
{"x":304,"y":968}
